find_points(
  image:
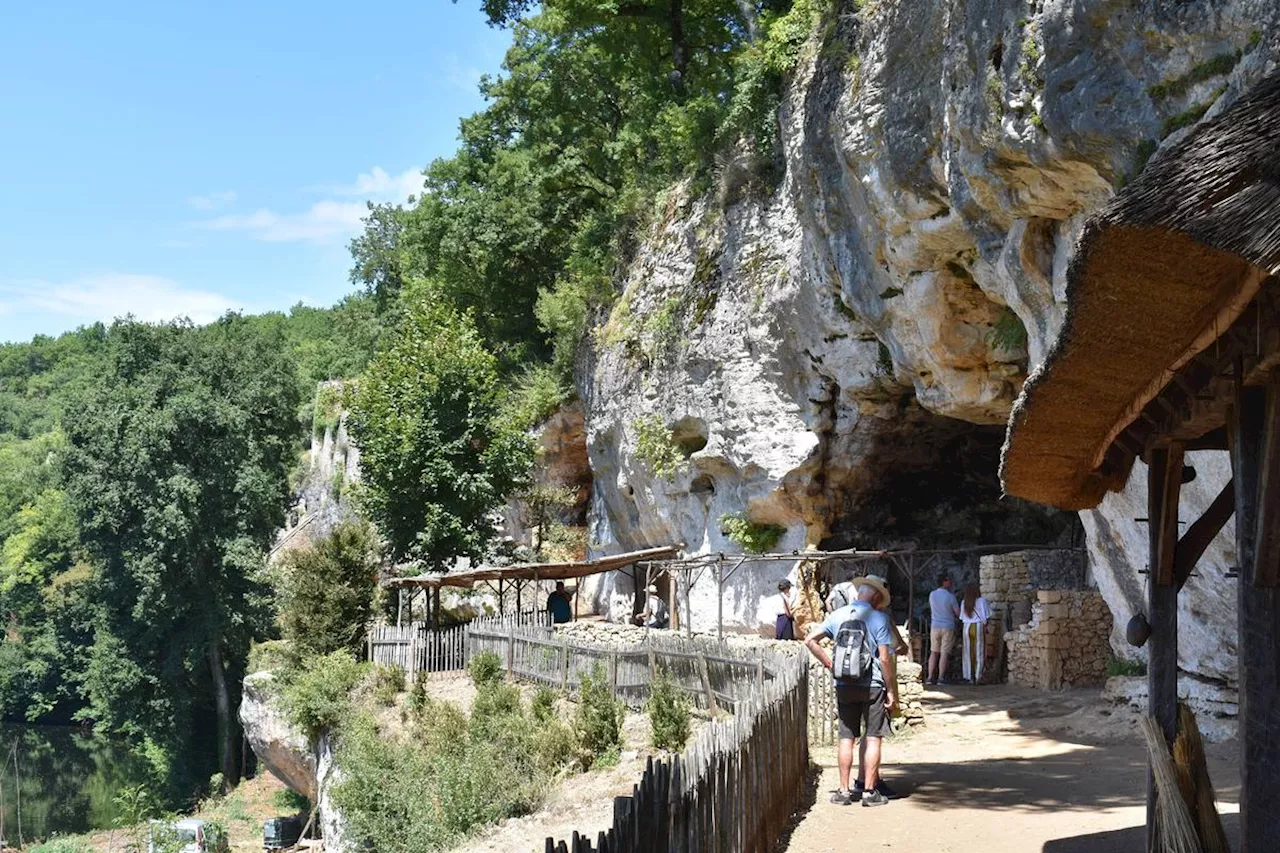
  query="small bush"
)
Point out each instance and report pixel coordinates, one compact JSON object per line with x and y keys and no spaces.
{"x":271,"y":656}
{"x":1120,"y":666}
{"x":656,"y":447}
{"x":539,"y":391}
{"x":317,"y":694}
{"x":544,"y":704}
{"x":486,"y":668}
{"x":669,"y":713}
{"x":63,"y":845}
{"x":327,"y":590}
{"x":289,"y":800}
{"x":388,"y":683}
{"x":752,"y":537}
{"x":1008,"y":333}
{"x":493,"y":702}
{"x":599,"y":720}
{"x":418,"y":698}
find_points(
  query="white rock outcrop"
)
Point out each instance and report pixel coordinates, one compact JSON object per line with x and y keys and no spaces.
{"x":837,"y":355}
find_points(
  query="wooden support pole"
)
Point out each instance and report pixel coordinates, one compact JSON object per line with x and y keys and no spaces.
{"x":1164,"y":483}
{"x":436,"y":610}
{"x":1255,"y":423}
{"x":719,"y":598}
{"x":1203,"y":530}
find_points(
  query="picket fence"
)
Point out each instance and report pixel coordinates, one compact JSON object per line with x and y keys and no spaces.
{"x":732,"y":791}
{"x":416,"y":648}
{"x":713,"y":680}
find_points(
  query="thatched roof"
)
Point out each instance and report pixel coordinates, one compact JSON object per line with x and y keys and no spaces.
{"x":1156,"y":277}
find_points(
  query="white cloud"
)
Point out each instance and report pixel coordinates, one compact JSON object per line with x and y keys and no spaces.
{"x":212,"y":201}
{"x":379,"y":185}
{"x":322,"y":222}
{"x":327,"y":221}
{"x":149,"y":298}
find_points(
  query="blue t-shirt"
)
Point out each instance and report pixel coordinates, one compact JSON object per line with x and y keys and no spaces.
{"x":943,"y":608}
{"x":560,"y":606}
{"x":878,"y":626}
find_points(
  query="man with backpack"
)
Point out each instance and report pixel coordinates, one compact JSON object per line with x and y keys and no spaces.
{"x":866,"y":680}
{"x":842,"y":594}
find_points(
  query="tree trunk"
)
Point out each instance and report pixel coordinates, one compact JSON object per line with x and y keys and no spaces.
{"x":228,"y":729}
{"x":679,"y":49}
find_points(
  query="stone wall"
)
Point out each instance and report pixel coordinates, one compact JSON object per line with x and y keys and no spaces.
{"x":1066,"y":643}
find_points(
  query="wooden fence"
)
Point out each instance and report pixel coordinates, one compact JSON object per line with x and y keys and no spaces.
{"x":416,"y":648}
{"x":713,"y":679}
{"x":732,"y":791}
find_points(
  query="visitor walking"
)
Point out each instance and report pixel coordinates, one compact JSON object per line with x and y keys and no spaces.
{"x":560,"y":605}
{"x":866,"y":683}
{"x":785,"y":624}
{"x":655,"y":613}
{"x":841,"y":594}
{"x":943,"y":613}
{"x":974,"y":613}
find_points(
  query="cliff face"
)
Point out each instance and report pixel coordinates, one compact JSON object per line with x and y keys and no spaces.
{"x":838,"y":356}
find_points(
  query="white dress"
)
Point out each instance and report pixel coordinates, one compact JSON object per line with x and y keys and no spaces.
{"x":974,"y":647}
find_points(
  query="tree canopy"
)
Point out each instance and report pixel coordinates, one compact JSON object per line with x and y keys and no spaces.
{"x":437,"y":457}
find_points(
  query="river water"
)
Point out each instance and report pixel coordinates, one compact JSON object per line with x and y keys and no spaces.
{"x":69,"y":779}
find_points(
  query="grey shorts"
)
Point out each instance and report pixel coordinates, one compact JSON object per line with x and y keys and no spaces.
{"x":856,"y":707}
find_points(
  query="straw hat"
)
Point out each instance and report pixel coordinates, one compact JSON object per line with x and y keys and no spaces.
{"x":651,"y":589}
{"x":881,"y":586}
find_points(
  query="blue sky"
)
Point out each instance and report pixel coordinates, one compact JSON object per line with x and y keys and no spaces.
{"x":166,"y":159}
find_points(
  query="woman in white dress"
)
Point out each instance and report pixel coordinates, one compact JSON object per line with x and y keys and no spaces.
{"x":974,"y":613}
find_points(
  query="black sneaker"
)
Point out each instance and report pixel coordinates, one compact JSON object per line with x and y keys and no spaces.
{"x":842,"y":798}
{"x":874,"y":798}
{"x":858,"y":790}
{"x":885,"y":791}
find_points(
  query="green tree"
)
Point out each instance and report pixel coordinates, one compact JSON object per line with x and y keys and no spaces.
{"x":437,"y":460}
{"x":176,"y":470}
{"x":326,"y":591}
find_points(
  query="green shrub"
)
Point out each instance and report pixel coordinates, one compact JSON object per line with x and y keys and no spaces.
{"x":388,"y":683}
{"x":330,"y":400}
{"x":289,"y":800}
{"x":493,"y":703}
{"x":63,"y":845}
{"x":656,"y":447}
{"x":599,"y":720}
{"x":1120,"y":666}
{"x":539,"y":391}
{"x":418,"y":699}
{"x":544,"y":704}
{"x":271,"y":656}
{"x":1008,"y":333}
{"x":327,"y":589}
{"x":486,"y":668}
{"x":752,"y":537}
{"x":669,"y":712}
{"x":317,"y":694}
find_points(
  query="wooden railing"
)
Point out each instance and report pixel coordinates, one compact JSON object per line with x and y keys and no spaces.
{"x":732,"y":791}
{"x":416,"y":648}
{"x":712,"y":678}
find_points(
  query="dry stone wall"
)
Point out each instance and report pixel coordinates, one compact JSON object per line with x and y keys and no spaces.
{"x":1066,"y":643}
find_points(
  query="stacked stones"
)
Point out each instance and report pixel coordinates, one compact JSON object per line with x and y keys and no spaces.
{"x":1066,"y":643}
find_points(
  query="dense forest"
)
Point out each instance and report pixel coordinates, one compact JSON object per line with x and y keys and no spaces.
{"x":144,"y":470}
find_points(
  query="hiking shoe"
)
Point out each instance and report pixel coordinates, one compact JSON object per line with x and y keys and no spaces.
{"x":874,"y":798}
{"x":885,"y":791}
{"x":842,"y":798}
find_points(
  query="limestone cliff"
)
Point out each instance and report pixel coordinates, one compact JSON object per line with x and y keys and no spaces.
{"x":837,"y":355}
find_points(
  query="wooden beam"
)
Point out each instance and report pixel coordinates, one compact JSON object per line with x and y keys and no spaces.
{"x":1266,"y":571}
{"x":1192,"y":545}
{"x":1258,"y":649}
{"x":1164,"y":484}
{"x":1214,"y":439}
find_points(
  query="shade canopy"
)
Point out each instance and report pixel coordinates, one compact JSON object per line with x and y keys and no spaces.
{"x":537,"y":571}
{"x":1157,"y":276}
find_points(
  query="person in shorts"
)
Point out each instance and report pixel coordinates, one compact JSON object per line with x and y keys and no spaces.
{"x":859,"y":707}
{"x":944,"y":618}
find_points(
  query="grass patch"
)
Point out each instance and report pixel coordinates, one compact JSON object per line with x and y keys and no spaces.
{"x":1120,"y":666}
{"x":1189,"y":117}
{"x":1221,"y":64}
{"x":752,"y":537}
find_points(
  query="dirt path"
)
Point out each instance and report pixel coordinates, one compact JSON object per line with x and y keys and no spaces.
{"x":1005,"y":770}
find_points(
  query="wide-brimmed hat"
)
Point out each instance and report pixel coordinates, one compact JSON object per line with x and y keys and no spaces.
{"x":651,"y":589}
{"x":880,"y":584}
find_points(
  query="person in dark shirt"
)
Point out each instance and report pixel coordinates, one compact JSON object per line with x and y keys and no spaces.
{"x":559,"y":604}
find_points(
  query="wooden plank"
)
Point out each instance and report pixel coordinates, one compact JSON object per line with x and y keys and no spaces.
{"x":1266,"y":565}
{"x":1164,"y":479}
{"x":1258,"y":615}
{"x":1202,"y":531}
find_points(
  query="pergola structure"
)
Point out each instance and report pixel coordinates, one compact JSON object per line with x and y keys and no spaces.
{"x":1171,"y":344}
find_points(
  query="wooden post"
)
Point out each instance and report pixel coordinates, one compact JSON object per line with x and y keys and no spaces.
{"x":1164,"y":482}
{"x":719,"y":598}
{"x":564,"y":664}
{"x":706,"y":684}
{"x":436,"y":611}
{"x":688,"y":609}
{"x":511,"y":651}
{"x":1255,"y":437}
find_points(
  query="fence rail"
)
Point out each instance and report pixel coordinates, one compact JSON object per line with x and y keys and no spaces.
{"x":416,"y":648}
{"x":732,"y":791}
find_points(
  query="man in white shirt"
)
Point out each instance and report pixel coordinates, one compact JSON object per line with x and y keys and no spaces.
{"x":943,"y":620}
